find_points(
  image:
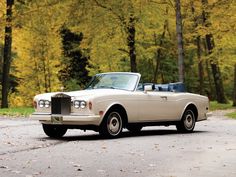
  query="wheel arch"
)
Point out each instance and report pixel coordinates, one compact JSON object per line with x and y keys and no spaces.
{"x":193,"y":108}
{"x":122,"y":111}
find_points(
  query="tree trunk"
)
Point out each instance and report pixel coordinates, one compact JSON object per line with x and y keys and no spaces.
{"x":7,"y":53}
{"x":220,"y":96}
{"x":131,"y":43}
{"x":211,"y":93}
{"x":199,"y":52}
{"x":49,"y":75}
{"x":45,"y":76}
{"x":218,"y":83}
{"x":158,"y":53}
{"x":234,"y":94}
{"x":157,"y":61}
{"x":200,"y":66}
{"x":37,"y":77}
{"x":179,"y":32}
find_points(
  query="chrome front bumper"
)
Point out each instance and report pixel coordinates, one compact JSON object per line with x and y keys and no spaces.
{"x":71,"y":119}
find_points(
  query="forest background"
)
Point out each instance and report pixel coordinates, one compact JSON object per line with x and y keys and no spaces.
{"x":49,"y":44}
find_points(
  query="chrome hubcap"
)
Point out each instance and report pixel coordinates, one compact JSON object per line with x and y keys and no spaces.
{"x":188,"y":122}
{"x":114,"y":123}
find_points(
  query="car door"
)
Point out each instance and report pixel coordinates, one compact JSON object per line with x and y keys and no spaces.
{"x":158,"y":106}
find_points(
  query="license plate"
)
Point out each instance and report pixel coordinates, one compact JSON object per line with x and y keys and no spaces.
{"x":56,"y":119}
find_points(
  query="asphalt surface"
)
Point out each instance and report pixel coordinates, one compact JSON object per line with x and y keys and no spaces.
{"x":210,"y":151}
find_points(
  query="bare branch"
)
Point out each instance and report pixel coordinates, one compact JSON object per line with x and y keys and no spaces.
{"x":123,"y":50}
{"x":120,"y":18}
{"x":37,"y":9}
{"x":171,"y":3}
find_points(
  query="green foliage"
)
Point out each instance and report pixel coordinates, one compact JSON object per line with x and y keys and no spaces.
{"x":75,"y":73}
{"x":72,"y":84}
{"x":17,"y":112}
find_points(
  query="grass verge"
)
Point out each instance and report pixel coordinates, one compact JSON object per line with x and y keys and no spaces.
{"x":217,"y":106}
{"x":214,"y":105}
{"x":17,"y":112}
{"x":231,"y":115}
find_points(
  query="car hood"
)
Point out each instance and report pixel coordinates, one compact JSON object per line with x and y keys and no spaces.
{"x":81,"y":94}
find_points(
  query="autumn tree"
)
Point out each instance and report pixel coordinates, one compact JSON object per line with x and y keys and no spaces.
{"x":38,"y":60}
{"x":214,"y":63}
{"x":127,"y":20}
{"x":223,"y":28}
{"x":199,"y":44}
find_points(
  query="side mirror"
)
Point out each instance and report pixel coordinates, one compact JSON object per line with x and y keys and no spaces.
{"x":147,"y":88}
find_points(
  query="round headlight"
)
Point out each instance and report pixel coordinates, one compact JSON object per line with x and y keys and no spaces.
{"x":82,"y":104}
{"x":41,"y":103}
{"x":76,"y":104}
{"x":47,"y":104}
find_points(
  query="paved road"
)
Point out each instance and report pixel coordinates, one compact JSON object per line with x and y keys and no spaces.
{"x":156,"y":152}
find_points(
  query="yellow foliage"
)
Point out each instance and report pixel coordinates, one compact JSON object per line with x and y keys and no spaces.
{"x":38,"y":61}
{"x":19,"y":101}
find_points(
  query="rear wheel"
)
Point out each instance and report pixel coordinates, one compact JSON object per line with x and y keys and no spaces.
{"x":187,"y":123}
{"x":54,"y":131}
{"x":112,"y":125}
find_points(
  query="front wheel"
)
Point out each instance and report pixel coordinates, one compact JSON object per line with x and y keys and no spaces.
{"x":187,"y":123}
{"x":112,"y":125}
{"x":54,"y":131}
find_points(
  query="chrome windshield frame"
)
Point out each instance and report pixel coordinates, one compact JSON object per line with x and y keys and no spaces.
{"x":134,"y":87}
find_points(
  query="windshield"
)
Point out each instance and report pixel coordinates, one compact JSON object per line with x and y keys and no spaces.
{"x":122,"y":81}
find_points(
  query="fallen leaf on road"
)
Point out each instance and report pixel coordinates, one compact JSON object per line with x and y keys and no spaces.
{"x":76,"y":165}
{"x":37,"y":173}
{"x":16,"y":171}
{"x":133,"y":153}
{"x":101,"y":171}
{"x":229,"y":149}
{"x":152,"y":165}
{"x":5,"y":167}
{"x":137,"y":171}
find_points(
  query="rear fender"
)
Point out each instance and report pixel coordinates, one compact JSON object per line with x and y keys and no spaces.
{"x":193,"y":105}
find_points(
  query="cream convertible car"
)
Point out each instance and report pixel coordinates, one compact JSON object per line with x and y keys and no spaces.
{"x":113,"y":101}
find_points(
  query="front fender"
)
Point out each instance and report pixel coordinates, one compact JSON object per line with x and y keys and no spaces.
{"x":109,"y":106}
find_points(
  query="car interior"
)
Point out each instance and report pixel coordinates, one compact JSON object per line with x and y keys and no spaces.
{"x":171,"y":87}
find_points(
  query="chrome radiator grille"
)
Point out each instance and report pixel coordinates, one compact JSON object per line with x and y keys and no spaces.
{"x":61,"y":104}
